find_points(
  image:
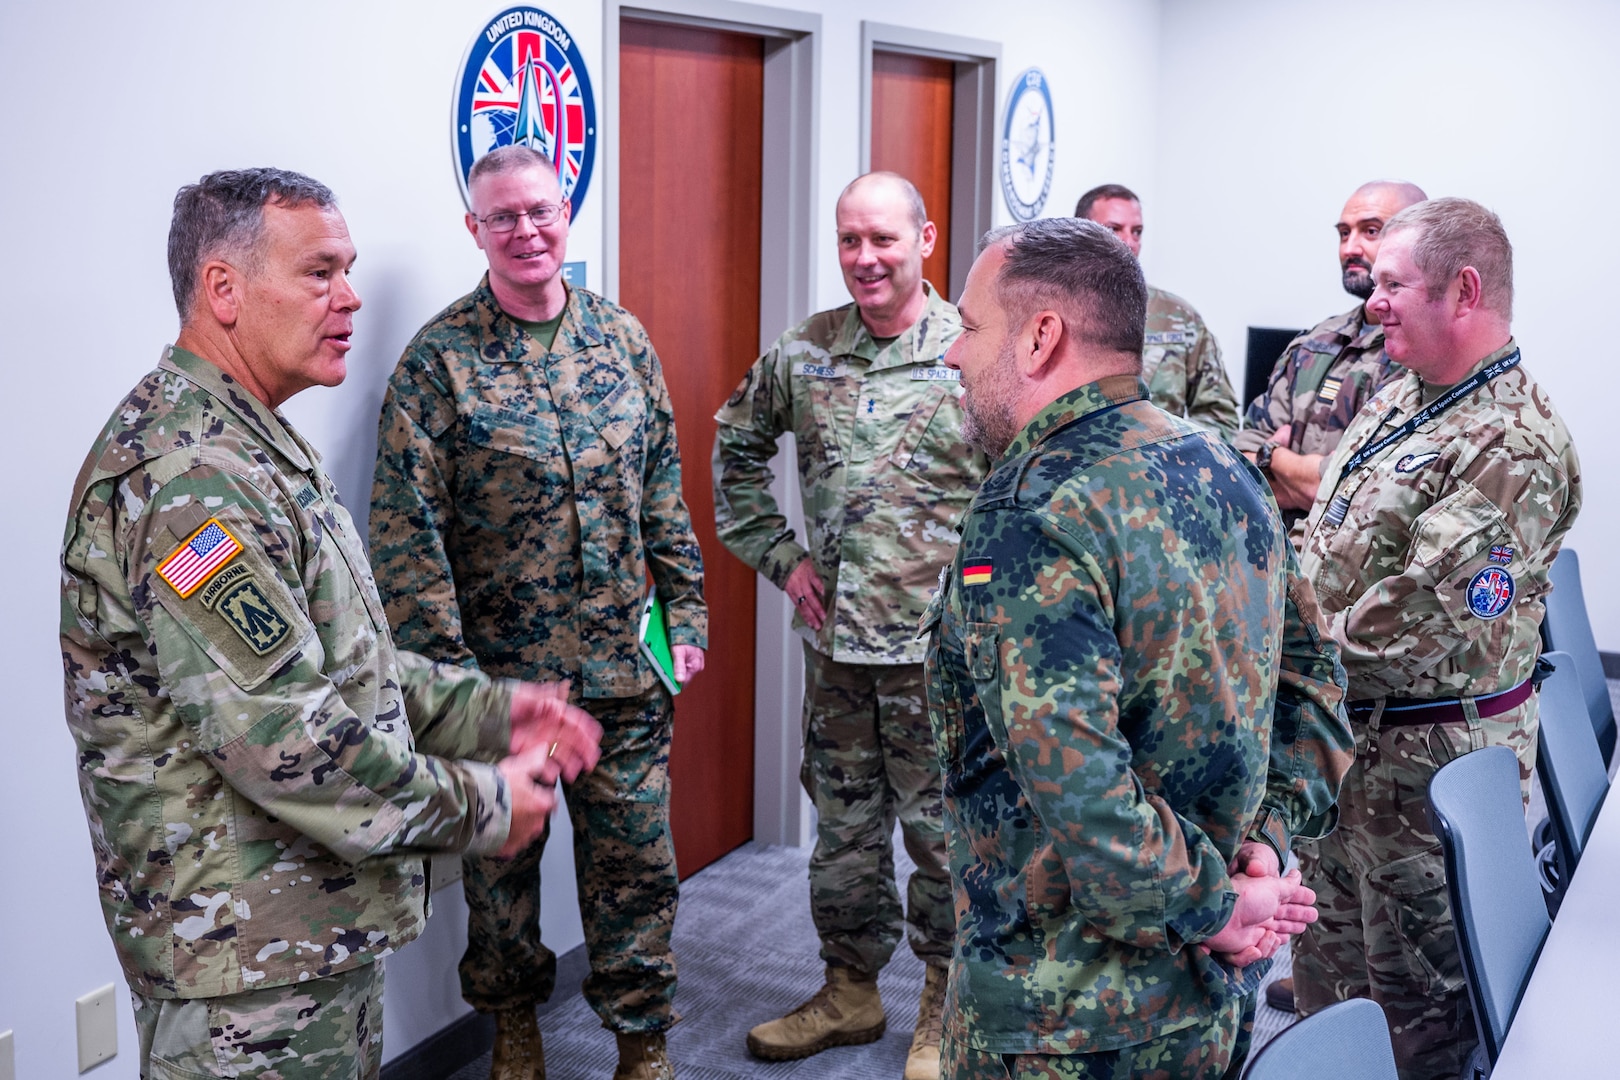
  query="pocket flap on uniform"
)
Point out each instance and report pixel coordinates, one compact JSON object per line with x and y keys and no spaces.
{"x":983,"y":645}
{"x":1410,"y":877}
{"x":513,"y":432}
{"x":620,"y":415}
{"x":1454,"y":530}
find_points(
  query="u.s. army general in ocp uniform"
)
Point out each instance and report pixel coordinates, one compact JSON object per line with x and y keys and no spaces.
{"x":883,"y":473}
{"x":1129,"y":691}
{"x":1430,"y":543}
{"x":527,"y":481}
{"x":254,"y":753}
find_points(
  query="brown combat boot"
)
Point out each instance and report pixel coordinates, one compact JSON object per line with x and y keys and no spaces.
{"x":1280,"y":995}
{"x":923,"y":1061}
{"x":846,"y":1011}
{"x":518,"y":1055}
{"x":642,"y":1056}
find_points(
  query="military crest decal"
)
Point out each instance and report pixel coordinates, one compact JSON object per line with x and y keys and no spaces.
{"x":1026,"y":146}
{"x":1490,"y":592}
{"x":523,"y":80}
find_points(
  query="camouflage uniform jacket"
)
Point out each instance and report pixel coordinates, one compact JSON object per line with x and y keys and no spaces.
{"x":1324,"y":378}
{"x":883,"y":473}
{"x":1181,"y":363}
{"x":521,"y":496}
{"x":1126,"y":680}
{"x":1459,"y":520}
{"x":256,"y":803}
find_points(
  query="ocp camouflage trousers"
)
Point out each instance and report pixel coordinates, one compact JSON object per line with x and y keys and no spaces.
{"x":869,"y":760}
{"x":1201,"y":1052}
{"x":1385,"y":927}
{"x":319,"y":1029}
{"x":624,"y":861}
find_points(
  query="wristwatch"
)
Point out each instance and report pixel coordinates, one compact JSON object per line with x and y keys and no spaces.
{"x":1262,"y":457}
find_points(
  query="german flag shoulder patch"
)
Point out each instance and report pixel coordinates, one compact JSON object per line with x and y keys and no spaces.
{"x":977,"y":572}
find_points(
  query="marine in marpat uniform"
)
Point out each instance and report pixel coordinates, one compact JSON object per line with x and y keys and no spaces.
{"x":1130,"y":692}
{"x":1328,"y":373}
{"x":1181,"y":360}
{"x":255,"y":756}
{"x":883,"y":473}
{"x":527,"y":481}
{"x":1429,"y":547}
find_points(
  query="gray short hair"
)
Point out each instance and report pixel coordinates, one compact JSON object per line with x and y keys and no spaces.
{"x":1079,"y":269}
{"x":915,"y":210}
{"x":508,"y":159}
{"x":222,"y":215}
{"x":1452,"y":234}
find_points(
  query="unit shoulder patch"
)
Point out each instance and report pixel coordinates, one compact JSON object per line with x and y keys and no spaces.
{"x":252,"y":615}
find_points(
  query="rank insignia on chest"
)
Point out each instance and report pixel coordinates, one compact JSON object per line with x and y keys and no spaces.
{"x":1329,"y":391}
{"x":1501,"y":553}
{"x":976,"y":572}
{"x":1490,"y":592}
{"x":199,"y":558}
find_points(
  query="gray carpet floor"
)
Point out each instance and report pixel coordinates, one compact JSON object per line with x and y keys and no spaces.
{"x":747,"y":951}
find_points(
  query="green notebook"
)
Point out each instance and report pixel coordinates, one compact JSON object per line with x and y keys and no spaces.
{"x":655,"y":640}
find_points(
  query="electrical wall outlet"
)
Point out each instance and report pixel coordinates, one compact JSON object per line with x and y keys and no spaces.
{"x":8,"y":1057}
{"x":98,"y":1027}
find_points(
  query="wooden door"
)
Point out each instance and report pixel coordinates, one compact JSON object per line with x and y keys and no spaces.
{"x":690,"y":127}
{"x":912,"y":108}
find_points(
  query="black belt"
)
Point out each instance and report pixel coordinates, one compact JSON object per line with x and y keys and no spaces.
{"x":1404,"y":712}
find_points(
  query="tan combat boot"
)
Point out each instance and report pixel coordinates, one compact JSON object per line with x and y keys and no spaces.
{"x":642,"y":1056}
{"x":844,"y":1012}
{"x":922,"y":1063}
{"x":518,"y":1055}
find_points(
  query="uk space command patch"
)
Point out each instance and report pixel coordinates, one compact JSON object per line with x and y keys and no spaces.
{"x":976,"y":572}
{"x":252,"y":615}
{"x":199,"y":558}
{"x":1490,"y":592}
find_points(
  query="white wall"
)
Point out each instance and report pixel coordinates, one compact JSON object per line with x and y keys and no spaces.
{"x":1271,"y":112}
{"x":106,"y":108}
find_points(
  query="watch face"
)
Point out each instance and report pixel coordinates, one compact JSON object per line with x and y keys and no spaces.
{"x":1263,"y":458}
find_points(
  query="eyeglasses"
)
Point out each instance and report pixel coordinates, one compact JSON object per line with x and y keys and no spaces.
{"x":539,"y":216}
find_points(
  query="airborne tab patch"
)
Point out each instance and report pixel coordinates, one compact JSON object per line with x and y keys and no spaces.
{"x":198,"y":558}
{"x":252,"y":615}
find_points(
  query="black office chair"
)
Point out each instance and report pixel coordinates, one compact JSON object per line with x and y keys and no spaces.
{"x":1496,"y":899}
{"x":1568,"y":762}
{"x":1567,"y":629}
{"x":1265,"y":348}
{"x":1346,"y":1041}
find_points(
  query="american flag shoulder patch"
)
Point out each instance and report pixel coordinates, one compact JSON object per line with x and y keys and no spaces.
{"x":976,"y":572}
{"x":201,"y":556}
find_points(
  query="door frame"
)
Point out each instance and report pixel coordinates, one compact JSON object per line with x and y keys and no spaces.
{"x":788,"y":177}
{"x":973,"y":127}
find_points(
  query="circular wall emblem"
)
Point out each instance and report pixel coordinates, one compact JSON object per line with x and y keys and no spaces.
{"x":1490,"y":593}
{"x":1026,"y":146}
{"x":524,"y":81}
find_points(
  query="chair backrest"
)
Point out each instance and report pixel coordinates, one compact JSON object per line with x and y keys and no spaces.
{"x":1345,"y":1041}
{"x":1266,"y":345}
{"x":1496,"y":900}
{"x":1567,"y":629}
{"x":1569,"y":761}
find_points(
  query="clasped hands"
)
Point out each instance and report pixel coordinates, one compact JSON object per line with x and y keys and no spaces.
{"x":1271,"y":907}
{"x":551,"y":739}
